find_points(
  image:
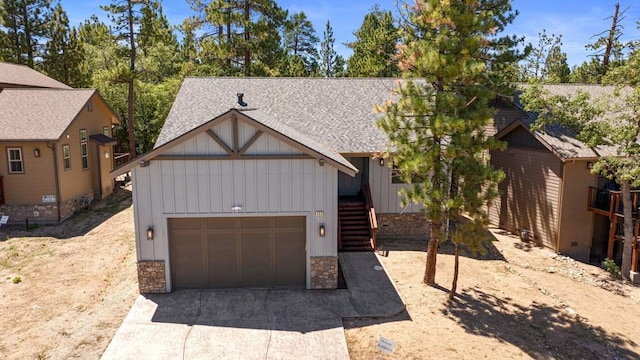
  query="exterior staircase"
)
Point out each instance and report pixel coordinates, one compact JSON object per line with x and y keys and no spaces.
{"x":355,"y":230}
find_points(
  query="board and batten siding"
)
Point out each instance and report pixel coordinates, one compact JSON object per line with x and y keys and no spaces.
{"x":576,"y":222}
{"x":210,"y":188}
{"x":530,"y":193}
{"x":385,"y":194}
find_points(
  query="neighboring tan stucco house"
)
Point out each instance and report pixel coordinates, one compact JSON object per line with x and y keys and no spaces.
{"x":56,"y":146}
{"x":265,"y":194}
{"x":549,"y":194}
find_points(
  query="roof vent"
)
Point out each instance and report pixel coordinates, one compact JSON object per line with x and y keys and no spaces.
{"x":240,"y":102}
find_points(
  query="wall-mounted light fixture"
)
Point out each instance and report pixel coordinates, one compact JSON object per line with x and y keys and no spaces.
{"x":36,"y":152}
{"x":106,"y":154}
{"x":236,"y":208}
{"x":150,"y":233}
{"x":321,"y":162}
{"x":322,"y":231}
{"x":381,"y":161}
{"x":589,"y":165}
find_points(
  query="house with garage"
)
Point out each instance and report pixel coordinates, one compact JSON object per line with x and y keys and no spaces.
{"x":56,"y":145}
{"x":549,"y":195}
{"x":261,"y":181}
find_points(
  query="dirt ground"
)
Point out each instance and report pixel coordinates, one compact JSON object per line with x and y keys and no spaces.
{"x":517,"y":302}
{"x":78,"y":281}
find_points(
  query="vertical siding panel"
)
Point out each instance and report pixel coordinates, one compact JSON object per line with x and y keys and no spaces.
{"x":226,"y":180}
{"x":168,"y":198}
{"x":239,"y":184}
{"x":262,"y":186}
{"x":250,"y":178}
{"x":203,"y":186}
{"x":215,"y":187}
{"x":308,"y":185}
{"x":180,"y":187}
{"x":274,"y":185}
{"x":285,"y":184}
{"x":319,"y":200}
{"x":297,"y":182}
{"x":143,"y":196}
{"x":191,"y":186}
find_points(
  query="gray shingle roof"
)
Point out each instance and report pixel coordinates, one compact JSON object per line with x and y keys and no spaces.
{"x":39,"y":114}
{"x":335,"y":112}
{"x":563,"y":140}
{"x":24,"y":76}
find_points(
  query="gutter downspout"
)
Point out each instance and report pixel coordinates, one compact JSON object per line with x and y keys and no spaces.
{"x":99,"y":165}
{"x":52,"y":146}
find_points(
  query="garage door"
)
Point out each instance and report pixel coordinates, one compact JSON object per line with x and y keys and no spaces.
{"x":237,"y":252}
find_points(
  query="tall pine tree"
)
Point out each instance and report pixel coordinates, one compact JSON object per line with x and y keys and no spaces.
{"x":375,"y":46}
{"x":64,"y":55}
{"x":328,"y":54}
{"x":300,"y":43}
{"x":454,"y":51}
{"x":24,"y":24}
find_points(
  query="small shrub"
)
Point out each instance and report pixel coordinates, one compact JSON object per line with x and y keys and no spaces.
{"x":17,"y":280}
{"x":611,"y":267}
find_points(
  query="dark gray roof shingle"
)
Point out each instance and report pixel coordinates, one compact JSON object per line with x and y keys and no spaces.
{"x":338,"y":113}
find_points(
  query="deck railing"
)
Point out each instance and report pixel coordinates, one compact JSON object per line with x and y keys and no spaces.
{"x":371,"y":212}
{"x":609,"y":202}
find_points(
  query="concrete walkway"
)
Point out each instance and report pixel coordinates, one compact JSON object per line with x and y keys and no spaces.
{"x":255,"y":323}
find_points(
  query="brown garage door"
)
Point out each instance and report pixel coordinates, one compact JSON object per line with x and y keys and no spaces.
{"x":237,"y":252}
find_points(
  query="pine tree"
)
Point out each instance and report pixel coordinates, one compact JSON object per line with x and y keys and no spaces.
{"x":328,"y":54}
{"x":375,"y":46}
{"x":63,"y":56}
{"x":24,"y":24}
{"x":436,"y":127}
{"x":126,"y":17}
{"x":546,"y":62}
{"x":240,"y":36}
{"x":300,"y":41}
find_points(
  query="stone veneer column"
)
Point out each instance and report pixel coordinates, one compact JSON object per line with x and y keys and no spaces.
{"x":151,"y":277}
{"x":324,"y":272}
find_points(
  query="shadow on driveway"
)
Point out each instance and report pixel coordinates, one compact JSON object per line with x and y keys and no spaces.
{"x":256,"y":323}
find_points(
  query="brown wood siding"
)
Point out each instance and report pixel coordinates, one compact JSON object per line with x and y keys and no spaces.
{"x":529,"y":194}
{"x":576,"y":222}
{"x":37,"y":179}
{"x":76,"y":181}
{"x":237,"y":252}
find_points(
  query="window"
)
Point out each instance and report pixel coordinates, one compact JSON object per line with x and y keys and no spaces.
{"x":106,"y":131}
{"x":84,"y":149}
{"x":16,"y":163}
{"x":66,"y":156}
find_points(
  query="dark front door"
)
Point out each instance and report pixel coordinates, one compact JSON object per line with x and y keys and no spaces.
{"x":351,"y":186}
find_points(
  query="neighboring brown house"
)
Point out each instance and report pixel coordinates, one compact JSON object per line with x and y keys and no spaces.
{"x":549,"y":194}
{"x":56,"y":146}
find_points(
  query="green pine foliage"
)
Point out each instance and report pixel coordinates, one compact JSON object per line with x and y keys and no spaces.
{"x":24,"y":25}
{"x":374,"y":49}
{"x":452,"y":57}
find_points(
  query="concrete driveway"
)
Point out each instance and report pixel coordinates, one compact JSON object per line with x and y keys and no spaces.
{"x":255,"y":323}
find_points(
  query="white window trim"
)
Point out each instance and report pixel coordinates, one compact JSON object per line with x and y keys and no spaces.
{"x":68,"y":157}
{"x":9,"y":161}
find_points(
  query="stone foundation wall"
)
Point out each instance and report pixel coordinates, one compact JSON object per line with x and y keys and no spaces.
{"x":402,"y":224}
{"x":151,"y":277}
{"x":46,"y":212}
{"x":324,"y":272}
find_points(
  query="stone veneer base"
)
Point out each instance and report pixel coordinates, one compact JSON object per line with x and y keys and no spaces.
{"x":402,"y":224}
{"x":151,"y":277}
{"x":47,"y":212}
{"x":324,"y":272}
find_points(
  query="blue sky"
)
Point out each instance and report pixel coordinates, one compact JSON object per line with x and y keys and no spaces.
{"x":576,"y":20}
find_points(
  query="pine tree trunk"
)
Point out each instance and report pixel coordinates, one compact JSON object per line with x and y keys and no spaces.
{"x":456,"y":266}
{"x":432,"y":252}
{"x":610,"y":39}
{"x":132,"y":67}
{"x":627,"y":249}
{"x":247,"y":39}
